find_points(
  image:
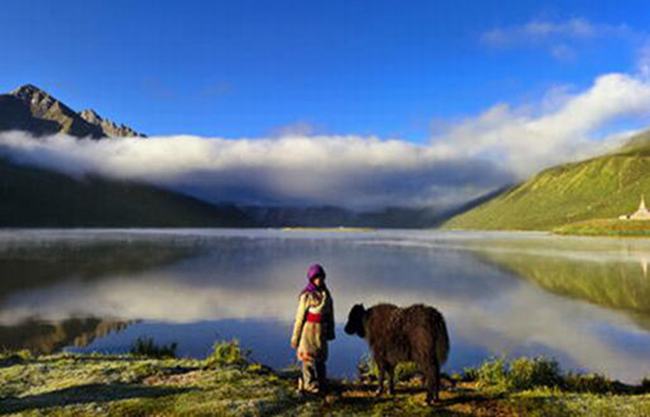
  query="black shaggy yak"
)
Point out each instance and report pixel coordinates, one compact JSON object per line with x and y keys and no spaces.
{"x":417,"y":333}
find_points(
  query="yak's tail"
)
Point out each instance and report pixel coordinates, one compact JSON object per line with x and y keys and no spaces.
{"x":441,"y":339}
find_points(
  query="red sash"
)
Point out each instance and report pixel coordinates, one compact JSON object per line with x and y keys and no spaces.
{"x":313,"y":318}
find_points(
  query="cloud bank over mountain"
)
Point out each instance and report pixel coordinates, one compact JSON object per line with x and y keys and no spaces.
{"x":473,"y":156}
{"x":350,"y":171}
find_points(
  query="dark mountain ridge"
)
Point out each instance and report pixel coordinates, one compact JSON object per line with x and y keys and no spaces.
{"x":332,"y":216}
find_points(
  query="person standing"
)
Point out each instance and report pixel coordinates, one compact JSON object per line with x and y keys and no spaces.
{"x":313,"y":328}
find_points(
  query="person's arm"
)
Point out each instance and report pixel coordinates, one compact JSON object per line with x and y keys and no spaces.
{"x":331,"y":330}
{"x":299,"y":321}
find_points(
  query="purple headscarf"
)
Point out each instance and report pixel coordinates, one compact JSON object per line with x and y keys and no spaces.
{"x":314,"y":271}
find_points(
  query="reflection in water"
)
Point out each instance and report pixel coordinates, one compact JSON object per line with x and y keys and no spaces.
{"x":36,"y":263}
{"x":46,"y":337}
{"x":615,"y":284}
{"x":196,"y":286}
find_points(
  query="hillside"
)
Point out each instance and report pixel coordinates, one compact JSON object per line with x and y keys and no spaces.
{"x":602,"y":187}
{"x":33,"y":197}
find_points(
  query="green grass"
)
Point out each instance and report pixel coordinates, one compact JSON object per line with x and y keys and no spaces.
{"x":606,"y":227}
{"x":228,"y":384}
{"x":523,"y":374}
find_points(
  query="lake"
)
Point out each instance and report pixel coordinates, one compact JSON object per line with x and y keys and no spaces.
{"x":583,"y":301}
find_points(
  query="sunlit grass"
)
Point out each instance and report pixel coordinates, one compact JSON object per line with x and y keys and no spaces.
{"x":606,"y":227}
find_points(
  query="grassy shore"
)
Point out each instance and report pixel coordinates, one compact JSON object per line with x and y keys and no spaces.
{"x":606,"y":227}
{"x":227,"y":384}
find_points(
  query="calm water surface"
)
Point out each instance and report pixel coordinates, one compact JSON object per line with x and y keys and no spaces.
{"x":584,"y":301}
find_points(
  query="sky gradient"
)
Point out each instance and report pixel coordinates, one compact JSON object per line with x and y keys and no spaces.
{"x":250,"y":69}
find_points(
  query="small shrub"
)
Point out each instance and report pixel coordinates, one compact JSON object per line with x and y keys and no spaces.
{"x":645,"y":385}
{"x":525,"y":373}
{"x":493,"y":373}
{"x":594,"y":383}
{"x":468,"y":375}
{"x":145,"y":346}
{"x":228,"y":353}
{"x":519,"y":374}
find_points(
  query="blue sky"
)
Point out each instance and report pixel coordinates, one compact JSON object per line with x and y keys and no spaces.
{"x":254,"y":68}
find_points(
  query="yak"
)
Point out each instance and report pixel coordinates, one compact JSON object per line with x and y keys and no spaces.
{"x":417,"y":333}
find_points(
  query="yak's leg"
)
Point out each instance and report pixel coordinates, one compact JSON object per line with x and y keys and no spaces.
{"x":436,"y":369}
{"x":433,"y":381}
{"x":380,"y":378}
{"x":391,"y":379}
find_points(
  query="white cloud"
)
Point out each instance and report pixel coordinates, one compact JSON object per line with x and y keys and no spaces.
{"x":562,"y":52}
{"x":470,"y":157}
{"x":643,"y":60}
{"x":562,"y":39}
{"x":560,"y":128}
{"x":350,"y":171}
{"x":541,"y":30}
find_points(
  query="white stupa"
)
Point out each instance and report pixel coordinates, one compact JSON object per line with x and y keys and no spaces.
{"x":642,"y":213}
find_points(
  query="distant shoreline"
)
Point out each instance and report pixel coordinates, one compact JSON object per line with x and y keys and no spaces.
{"x":328,"y":229}
{"x":606,"y":228}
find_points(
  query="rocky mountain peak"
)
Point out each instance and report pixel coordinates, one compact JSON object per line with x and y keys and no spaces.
{"x":109,"y":127}
{"x":38,"y":100}
{"x":32,"y":109}
{"x":91,"y":116}
{"x":27,"y":90}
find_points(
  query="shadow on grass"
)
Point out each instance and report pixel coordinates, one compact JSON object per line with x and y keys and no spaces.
{"x":83,"y":394}
{"x":361,"y":398}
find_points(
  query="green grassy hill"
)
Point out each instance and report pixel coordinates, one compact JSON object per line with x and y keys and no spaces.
{"x":601,"y":187}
